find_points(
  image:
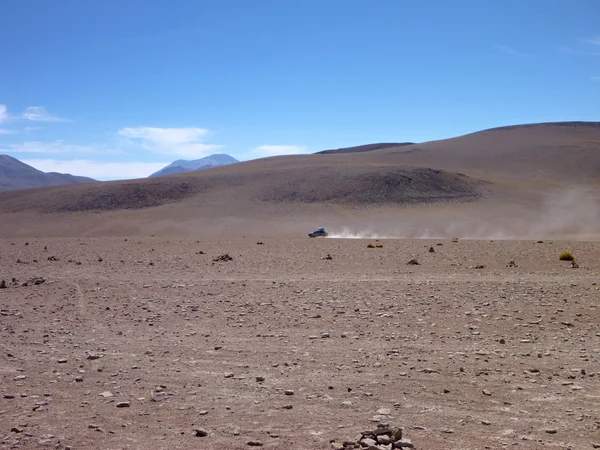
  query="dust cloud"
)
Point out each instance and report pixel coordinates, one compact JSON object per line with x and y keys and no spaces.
{"x":561,"y":214}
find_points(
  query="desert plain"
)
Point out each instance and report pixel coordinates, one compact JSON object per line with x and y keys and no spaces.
{"x":296,"y":343}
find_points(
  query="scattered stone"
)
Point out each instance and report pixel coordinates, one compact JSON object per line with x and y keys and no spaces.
{"x":123,"y":405}
{"x":228,"y":374}
{"x":551,"y":430}
{"x":35,"y":281}
{"x":574,"y":265}
{"x":413,"y":262}
{"x":478,"y":266}
{"x":328,"y":256}
{"x":53,"y":258}
{"x":486,"y":392}
{"x":199,"y":432}
{"x":255,"y":443}
{"x":512,"y":264}
{"x":16,"y":430}
{"x":20,"y":377}
{"x":61,"y":361}
{"x":224,"y":257}
{"x":289,"y":392}
{"x":2,"y":284}
{"x":431,"y":250}
{"x":384,"y":411}
{"x":260,"y":379}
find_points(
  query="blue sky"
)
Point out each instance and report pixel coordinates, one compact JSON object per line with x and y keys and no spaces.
{"x":119,"y":88}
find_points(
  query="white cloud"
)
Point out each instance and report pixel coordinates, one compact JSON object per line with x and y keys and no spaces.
{"x":39,"y":114}
{"x":97,"y":170}
{"x":274,"y":150}
{"x":181,"y":142}
{"x":5,"y":131}
{"x":3,"y":112}
{"x":50,"y":147}
{"x":512,"y":51}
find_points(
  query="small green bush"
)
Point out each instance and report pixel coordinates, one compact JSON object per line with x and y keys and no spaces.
{"x":566,"y":256}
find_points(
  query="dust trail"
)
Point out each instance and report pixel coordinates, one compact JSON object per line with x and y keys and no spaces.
{"x":346,"y":233}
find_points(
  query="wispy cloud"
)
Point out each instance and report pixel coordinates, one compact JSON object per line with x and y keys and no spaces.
{"x":40,"y":114}
{"x":512,"y":51}
{"x":595,"y":78}
{"x":594,"y":40}
{"x":54,"y":147}
{"x":31,"y":113}
{"x":182,"y":142}
{"x":574,"y":51}
{"x":274,"y":150}
{"x":97,"y":170}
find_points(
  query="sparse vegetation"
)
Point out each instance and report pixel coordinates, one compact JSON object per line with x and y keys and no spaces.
{"x":374,"y":245}
{"x":370,"y":246}
{"x":566,"y":256}
{"x":539,"y":242}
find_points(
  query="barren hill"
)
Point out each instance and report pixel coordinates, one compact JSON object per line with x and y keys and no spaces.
{"x":567,"y":152}
{"x":15,"y":174}
{"x":518,"y":181}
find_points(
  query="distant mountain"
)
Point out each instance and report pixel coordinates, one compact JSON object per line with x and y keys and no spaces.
{"x":365,"y":148}
{"x":182,"y":166}
{"x":15,"y":174}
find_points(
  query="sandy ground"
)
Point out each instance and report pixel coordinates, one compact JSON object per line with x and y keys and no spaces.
{"x":460,"y":357}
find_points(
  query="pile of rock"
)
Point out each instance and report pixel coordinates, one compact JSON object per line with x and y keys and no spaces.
{"x":383,"y":437}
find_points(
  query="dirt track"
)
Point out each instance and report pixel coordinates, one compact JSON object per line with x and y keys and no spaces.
{"x":463,"y":358}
